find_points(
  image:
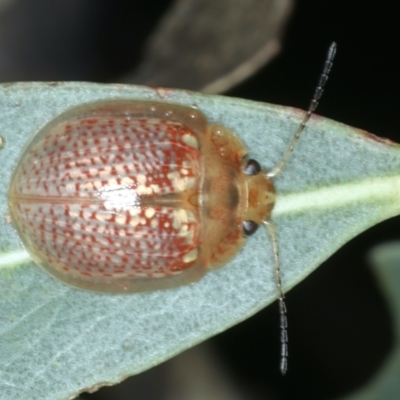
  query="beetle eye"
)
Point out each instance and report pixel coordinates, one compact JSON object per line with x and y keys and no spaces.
{"x":249,"y":227}
{"x":252,"y":167}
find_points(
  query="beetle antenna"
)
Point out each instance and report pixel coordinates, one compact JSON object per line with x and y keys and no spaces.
{"x":282,"y":305}
{"x":271,"y":227}
{"x":312,"y":107}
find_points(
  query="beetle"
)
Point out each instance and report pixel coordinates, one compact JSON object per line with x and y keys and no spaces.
{"x":127,"y":195}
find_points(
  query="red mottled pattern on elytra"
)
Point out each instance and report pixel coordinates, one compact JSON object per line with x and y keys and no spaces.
{"x":103,"y":197}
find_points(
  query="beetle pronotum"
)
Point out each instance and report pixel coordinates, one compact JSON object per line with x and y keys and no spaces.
{"x":125,"y":196}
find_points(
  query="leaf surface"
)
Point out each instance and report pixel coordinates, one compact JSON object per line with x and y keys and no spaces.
{"x":56,"y":341}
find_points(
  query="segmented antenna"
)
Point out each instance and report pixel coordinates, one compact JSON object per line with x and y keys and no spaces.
{"x":282,"y":305}
{"x":313,"y":105}
{"x":270,"y":226}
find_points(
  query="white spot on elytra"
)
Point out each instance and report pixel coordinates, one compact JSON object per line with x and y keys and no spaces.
{"x":97,"y":185}
{"x":141,"y":179}
{"x":101,"y":229}
{"x":93,"y":172}
{"x":190,"y":236}
{"x":143,"y":189}
{"x":73,"y":213}
{"x":120,"y":219}
{"x":134,"y":211}
{"x":190,"y":140}
{"x":149,"y":213}
{"x":76,"y":227}
{"x":112,"y":182}
{"x":172,"y":176}
{"x":191,"y":256}
{"x":155,"y":188}
{"x":127,"y":181}
{"x":178,"y":182}
{"x":134,"y":221}
{"x":179,"y":218}
{"x":87,"y":213}
{"x":183,"y":230}
{"x":119,"y":168}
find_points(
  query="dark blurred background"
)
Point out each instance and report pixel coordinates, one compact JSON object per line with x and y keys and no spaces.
{"x":340,"y":330}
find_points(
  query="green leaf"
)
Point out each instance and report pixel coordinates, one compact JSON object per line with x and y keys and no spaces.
{"x":386,"y":385}
{"x":56,"y":341}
